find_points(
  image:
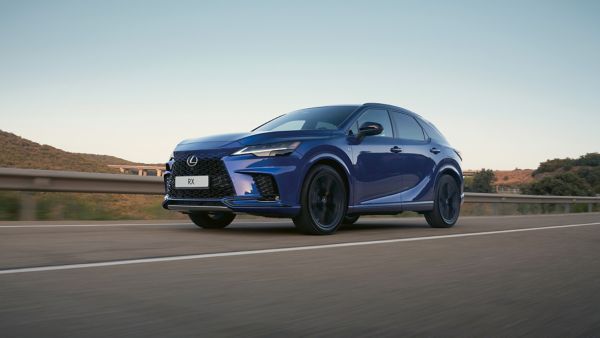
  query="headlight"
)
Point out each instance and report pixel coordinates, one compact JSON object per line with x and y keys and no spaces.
{"x":273,"y":149}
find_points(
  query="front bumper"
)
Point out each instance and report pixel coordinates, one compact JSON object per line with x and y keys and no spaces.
{"x":258,"y":185}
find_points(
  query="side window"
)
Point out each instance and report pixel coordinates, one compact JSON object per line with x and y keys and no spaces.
{"x":379,"y":116}
{"x":407,"y":127}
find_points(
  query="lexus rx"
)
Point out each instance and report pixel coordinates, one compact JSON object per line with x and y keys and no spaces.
{"x":323,"y":167}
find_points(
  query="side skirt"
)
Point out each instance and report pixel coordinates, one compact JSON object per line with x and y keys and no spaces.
{"x":392,"y":208}
{"x":418,"y":206}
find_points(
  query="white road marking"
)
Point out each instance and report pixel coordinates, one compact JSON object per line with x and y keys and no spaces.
{"x":276,"y":250}
{"x":85,"y":225}
{"x":114,"y":224}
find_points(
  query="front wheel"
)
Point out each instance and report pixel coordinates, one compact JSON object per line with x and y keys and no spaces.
{"x":212,"y":220}
{"x":446,"y":206}
{"x":324,"y":202}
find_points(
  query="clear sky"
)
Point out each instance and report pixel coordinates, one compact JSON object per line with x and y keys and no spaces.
{"x":510,"y":83}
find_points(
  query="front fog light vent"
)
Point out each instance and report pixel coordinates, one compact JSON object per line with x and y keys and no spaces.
{"x":267,"y":187}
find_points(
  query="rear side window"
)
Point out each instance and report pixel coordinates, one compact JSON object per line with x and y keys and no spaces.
{"x":434,"y":133}
{"x":379,"y":116}
{"x":407,"y":127}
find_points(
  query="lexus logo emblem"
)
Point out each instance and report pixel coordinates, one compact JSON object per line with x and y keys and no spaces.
{"x":192,"y":161}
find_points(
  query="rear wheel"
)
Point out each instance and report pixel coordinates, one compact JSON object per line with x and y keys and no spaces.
{"x":446,"y":206}
{"x":324,"y":202}
{"x":212,"y":220}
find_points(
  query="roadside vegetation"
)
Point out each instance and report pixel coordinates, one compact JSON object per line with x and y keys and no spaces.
{"x":558,"y":177}
{"x":564,"y":177}
{"x":482,"y":181}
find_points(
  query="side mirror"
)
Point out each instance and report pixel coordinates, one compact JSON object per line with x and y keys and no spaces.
{"x":370,"y":129}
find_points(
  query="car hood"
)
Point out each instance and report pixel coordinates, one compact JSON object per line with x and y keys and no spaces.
{"x":252,"y":138}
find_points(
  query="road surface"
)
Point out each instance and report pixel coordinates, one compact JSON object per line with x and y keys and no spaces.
{"x":487,"y":276}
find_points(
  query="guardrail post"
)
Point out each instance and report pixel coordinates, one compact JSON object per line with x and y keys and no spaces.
{"x":567,"y":208}
{"x":590,"y":207}
{"x":28,"y":207}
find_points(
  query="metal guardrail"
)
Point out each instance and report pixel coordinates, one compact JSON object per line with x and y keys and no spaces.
{"x":70,"y":181}
{"x":527,"y":199}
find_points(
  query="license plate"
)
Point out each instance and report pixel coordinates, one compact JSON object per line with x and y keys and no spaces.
{"x":191,"y":182}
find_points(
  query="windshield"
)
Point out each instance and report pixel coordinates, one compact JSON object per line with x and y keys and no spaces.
{"x":320,"y":118}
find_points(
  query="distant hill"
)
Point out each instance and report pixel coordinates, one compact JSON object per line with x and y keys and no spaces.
{"x":17,"y":152}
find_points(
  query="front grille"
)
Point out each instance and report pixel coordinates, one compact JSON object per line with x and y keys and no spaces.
{"x":266,"y":186}
{"x":220,"y":184}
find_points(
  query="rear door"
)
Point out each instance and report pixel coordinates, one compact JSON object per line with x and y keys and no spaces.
{"x":418,"y":163}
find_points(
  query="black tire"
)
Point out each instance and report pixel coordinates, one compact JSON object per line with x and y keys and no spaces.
{"x":350,"y":219}
{"x":212,"y":220}
{"x":446,"y":205}
{"x":324,"y":202}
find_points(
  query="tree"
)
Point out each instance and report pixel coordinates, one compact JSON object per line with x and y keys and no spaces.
{"x":566,"y":164}
{"x":482,"y":181}
{"x":554,"y":165}
{"x":589,"y":159}
{"x":564,"y":184}
{"x":591,"y":176}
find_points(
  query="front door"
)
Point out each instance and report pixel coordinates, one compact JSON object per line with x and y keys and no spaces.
{"x":377,"y":166}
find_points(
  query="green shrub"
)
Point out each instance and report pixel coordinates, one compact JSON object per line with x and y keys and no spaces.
{"x":481,"y":181}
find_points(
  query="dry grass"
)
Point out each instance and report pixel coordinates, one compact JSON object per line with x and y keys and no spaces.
{"x":513,"y":178}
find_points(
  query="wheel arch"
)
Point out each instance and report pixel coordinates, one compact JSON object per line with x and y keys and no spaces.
{"x":451,"y":170}
{"x":338,"y":165}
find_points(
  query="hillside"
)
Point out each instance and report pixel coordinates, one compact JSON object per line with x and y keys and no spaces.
{"x":18,"y":152}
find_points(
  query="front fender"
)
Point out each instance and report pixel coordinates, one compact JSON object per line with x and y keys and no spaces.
{"x":333,"y":156}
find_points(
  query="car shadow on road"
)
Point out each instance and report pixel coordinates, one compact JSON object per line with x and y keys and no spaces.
{"x":287,"y":227}
{"x":371,"y":226}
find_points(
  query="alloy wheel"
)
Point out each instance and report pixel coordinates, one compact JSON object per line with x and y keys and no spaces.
{"x":449,"y":201}
{"x":326,"y":200}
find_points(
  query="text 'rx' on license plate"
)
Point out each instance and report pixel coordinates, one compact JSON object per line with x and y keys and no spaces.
{"x":191,"y":182}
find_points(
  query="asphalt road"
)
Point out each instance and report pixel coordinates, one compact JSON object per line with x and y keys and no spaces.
{"x":487,"y":276}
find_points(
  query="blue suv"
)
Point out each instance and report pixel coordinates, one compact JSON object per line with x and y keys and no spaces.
{"x":323,"y":167}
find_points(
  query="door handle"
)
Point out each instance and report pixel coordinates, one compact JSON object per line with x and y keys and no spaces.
{"x":435,"y":150}
{"x":396,"y":149}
